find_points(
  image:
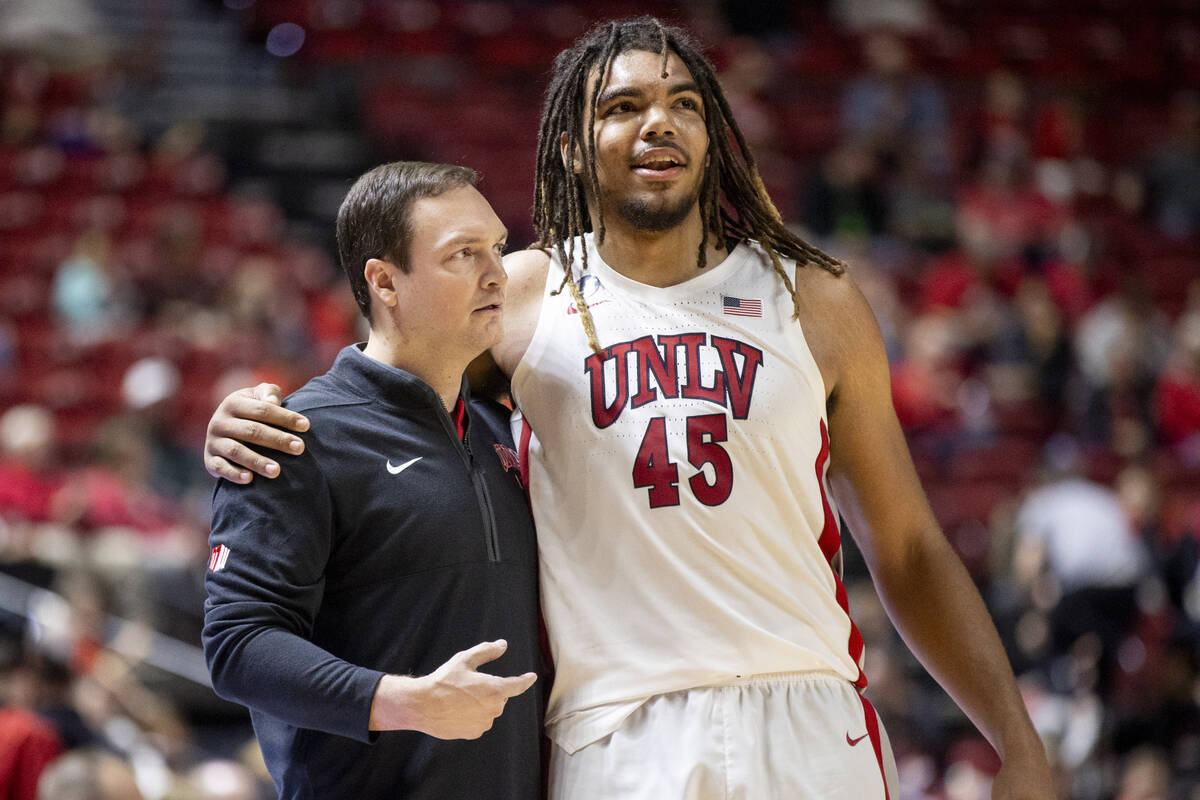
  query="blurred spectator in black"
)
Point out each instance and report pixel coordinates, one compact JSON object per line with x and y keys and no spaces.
{"x":172,"y":275}
{"x":1030,"y":356}
{"x":1079,"y":558}
{"x":919,"y":203}
{"x":764,"y":19}
{"x":1122,"y":343}
{"x":1172,"y":173}
{"x":844,"y":199}
{"x":55,"y":704}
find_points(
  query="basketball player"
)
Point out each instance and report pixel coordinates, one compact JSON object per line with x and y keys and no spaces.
{"x":697,"y":386}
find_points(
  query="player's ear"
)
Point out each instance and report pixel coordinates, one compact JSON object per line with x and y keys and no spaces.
{"x":381,"y":279}
{"x":575,"y":163}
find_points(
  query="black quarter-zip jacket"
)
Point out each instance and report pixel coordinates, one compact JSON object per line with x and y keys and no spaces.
{"x":388,"y":546}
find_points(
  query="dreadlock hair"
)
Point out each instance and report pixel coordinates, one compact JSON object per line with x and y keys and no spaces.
{"x":734,"y":204}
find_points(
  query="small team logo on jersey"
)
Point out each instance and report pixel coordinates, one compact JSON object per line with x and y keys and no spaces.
{"x":589,"y":284}
{"x":218,"y":557}
{"x":508,"y":459}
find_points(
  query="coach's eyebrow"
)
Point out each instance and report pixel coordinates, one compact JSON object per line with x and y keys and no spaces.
{"x":461,"y":238}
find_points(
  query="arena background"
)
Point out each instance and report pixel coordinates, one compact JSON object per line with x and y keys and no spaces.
{"x":1016,"y":186}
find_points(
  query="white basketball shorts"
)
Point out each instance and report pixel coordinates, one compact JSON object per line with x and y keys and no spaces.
{"x":800,"y":736}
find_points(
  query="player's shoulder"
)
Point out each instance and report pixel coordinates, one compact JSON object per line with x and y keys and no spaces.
{"x":830,"y":301}
{"x":527,"y":266}
{"x":838,"y":323}
{"x":820,"y":290}
{"x":527,"y":271}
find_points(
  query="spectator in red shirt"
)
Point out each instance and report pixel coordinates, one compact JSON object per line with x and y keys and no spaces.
{"x":1177,"y":396}
{"x":28,"y":743}
{"x":28,"y":481}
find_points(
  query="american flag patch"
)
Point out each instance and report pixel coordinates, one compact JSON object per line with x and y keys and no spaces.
{"x":741,"y":307}
{"x":216,"y":561}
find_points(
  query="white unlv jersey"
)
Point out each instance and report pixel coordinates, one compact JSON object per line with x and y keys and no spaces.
{"x":678,"y":484}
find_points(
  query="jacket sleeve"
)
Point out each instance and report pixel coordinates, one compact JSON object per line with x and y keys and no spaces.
{"x":270,"y":544}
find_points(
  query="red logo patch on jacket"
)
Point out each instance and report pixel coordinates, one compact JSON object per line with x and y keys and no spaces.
{"x":508,"y":459}
{"x":218,"y":557}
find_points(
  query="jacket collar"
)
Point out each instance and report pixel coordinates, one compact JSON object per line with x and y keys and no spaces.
{"x":385,"y":383}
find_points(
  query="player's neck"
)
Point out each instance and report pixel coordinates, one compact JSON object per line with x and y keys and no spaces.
{"x":658,"y":258}
{"x":432,"y":368}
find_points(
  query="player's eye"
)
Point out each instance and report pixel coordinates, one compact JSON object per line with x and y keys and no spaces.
{"x":623,"y":107}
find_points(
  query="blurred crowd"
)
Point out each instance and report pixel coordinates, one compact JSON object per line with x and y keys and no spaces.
{"x":1035,"y":272}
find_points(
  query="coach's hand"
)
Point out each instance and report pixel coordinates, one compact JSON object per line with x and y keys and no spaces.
{"x":250,"y":416}
{"x":454,"y":702}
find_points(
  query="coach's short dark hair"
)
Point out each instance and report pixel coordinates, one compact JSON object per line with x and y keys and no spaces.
{"x":373,"y":221}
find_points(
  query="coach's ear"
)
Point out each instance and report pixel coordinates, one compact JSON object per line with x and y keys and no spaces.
{"x":381,"y":278}
{"x":577,"y":166}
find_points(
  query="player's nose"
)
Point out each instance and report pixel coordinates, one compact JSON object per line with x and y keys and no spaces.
{"x":657,"y":121}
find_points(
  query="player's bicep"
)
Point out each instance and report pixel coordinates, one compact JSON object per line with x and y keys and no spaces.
{"x":871,"y":471}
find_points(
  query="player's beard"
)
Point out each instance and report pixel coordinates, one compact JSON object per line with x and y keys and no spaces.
{"x":656,"y":216}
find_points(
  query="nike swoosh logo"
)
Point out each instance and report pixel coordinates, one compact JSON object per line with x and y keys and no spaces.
{"x":853,"y":742}
{"x":404,"y":466}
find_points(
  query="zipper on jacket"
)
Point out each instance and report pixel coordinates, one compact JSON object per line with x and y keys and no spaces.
{"x":482,"y":496}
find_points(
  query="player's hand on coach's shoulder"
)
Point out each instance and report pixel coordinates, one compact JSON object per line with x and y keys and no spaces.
{"x":253,"y":415}
{"x":456,"y":701}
